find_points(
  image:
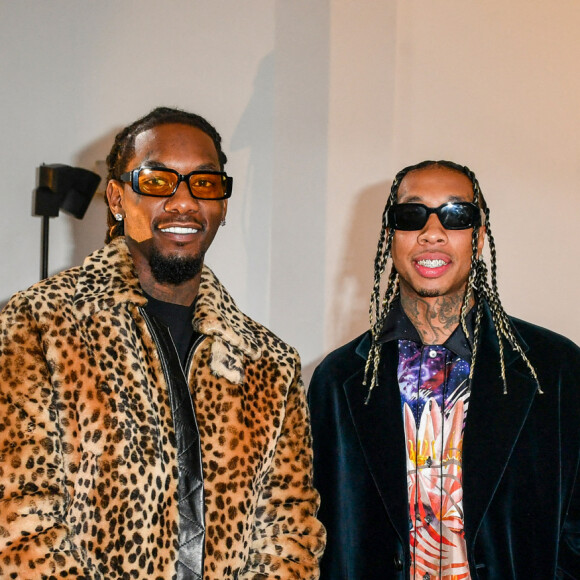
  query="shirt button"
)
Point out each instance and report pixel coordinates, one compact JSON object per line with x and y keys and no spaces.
{"x":428,"y":518}
{"x":432,"y":353}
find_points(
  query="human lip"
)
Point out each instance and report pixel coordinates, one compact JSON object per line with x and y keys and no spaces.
{"x":432,"y":266}
{"x":180,"y":229}
{"x":432,"y":263}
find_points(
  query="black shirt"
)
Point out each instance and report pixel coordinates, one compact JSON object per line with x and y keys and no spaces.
{"x":178,"y":320}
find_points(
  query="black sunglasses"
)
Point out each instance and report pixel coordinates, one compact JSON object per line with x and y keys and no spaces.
{"x":453,"y":216}
{"x":163,"y":182}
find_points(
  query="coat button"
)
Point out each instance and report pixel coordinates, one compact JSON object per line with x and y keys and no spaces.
{"x":398,"y":561}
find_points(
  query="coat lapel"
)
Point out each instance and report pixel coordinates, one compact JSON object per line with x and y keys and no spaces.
{"x":379,"y":426}
{"x":494,"y":421}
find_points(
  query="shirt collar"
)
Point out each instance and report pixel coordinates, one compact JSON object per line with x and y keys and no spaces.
{"x":398,"y":327}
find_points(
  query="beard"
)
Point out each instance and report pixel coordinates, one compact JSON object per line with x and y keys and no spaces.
{"x":429,"y":293}
{"x":174,"y":270}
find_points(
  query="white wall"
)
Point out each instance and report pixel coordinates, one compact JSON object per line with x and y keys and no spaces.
{"x":494,"y":85}
{"x":74,"y":73}
{"x":319,"y":104}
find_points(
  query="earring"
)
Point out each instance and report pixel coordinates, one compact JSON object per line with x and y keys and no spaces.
{"x":118,"y":217}
{"x":223,"y":222}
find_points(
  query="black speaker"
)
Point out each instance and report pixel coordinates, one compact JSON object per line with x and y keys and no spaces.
{"x":63,"y":187}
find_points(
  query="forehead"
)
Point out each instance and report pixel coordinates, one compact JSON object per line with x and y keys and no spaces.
{"x":175,"y":145}
{"x":435,"y":186}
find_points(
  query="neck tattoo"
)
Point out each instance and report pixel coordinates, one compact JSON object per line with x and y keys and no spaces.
{"x":434,"y":318}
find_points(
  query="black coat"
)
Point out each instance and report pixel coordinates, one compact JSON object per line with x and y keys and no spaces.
{"x":521,"y":456}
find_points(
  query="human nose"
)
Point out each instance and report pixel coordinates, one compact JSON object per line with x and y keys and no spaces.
{"x":182,"y":201}
{"x":433,"y":232}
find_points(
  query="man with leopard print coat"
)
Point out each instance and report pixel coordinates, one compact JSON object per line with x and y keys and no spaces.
{"x":93,"y":432}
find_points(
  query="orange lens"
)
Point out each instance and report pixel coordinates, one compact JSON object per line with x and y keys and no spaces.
{"x":157,"y":182}
{"x":207,"y":185}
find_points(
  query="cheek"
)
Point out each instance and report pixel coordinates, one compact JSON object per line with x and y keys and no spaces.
{"x":465,"y":244}
{"x":138,"y":223}
{"x":214,"y":213}
{"x":401,"y":244}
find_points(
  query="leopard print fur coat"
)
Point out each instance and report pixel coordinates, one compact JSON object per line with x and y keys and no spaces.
{"x":88,"y":468}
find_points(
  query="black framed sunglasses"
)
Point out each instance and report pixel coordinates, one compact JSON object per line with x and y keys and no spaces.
{"x":163,"y":182}
{"x":408,"y":217}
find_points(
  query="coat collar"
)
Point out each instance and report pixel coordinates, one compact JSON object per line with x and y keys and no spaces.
{"x":108,"y":279}
{"x":494,"y":421}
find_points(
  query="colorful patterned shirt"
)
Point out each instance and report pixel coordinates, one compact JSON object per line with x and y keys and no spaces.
{"x":434,"y":386}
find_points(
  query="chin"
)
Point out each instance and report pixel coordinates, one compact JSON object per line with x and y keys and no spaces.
{"x":174,"y":268}
{"x":429,"y":292}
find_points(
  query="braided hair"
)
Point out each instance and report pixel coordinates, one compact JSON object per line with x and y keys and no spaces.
{"x":124,"y":148}
{"x":480,"y":285}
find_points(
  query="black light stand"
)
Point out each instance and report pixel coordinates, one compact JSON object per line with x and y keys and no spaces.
{"x":61,"y":187}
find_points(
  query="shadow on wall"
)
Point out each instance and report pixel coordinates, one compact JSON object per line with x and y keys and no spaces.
{"x":285,"y":130}
{"x":348,"y":316}
{"x":300,"y":196}
{"x":255,"y":132}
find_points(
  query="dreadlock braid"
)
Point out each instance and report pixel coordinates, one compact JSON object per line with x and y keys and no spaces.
{"x":124,"y":148}
{"x":472,"y":278}
{"x":476,"y":334}
{"x":472,"y":281}
{"x":378,"y":308}
{"x":381,"y":258}
{"x":478,"y":287}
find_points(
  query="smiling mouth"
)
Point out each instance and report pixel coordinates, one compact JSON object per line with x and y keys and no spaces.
{"x":179,"y":230}
{"x":431,"y":263}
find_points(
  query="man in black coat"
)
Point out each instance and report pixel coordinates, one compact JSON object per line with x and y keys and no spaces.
{"x":447,"y":438}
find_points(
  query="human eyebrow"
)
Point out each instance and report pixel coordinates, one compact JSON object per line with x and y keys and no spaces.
{"x":149,"y":163}
{"x":422,"y":200}
{"x":207,"y":167}
{"x":410,"y":199}
{"x":152,"y":163}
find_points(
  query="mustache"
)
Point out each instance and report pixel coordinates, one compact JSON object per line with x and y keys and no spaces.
{"x":178,"y":221}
